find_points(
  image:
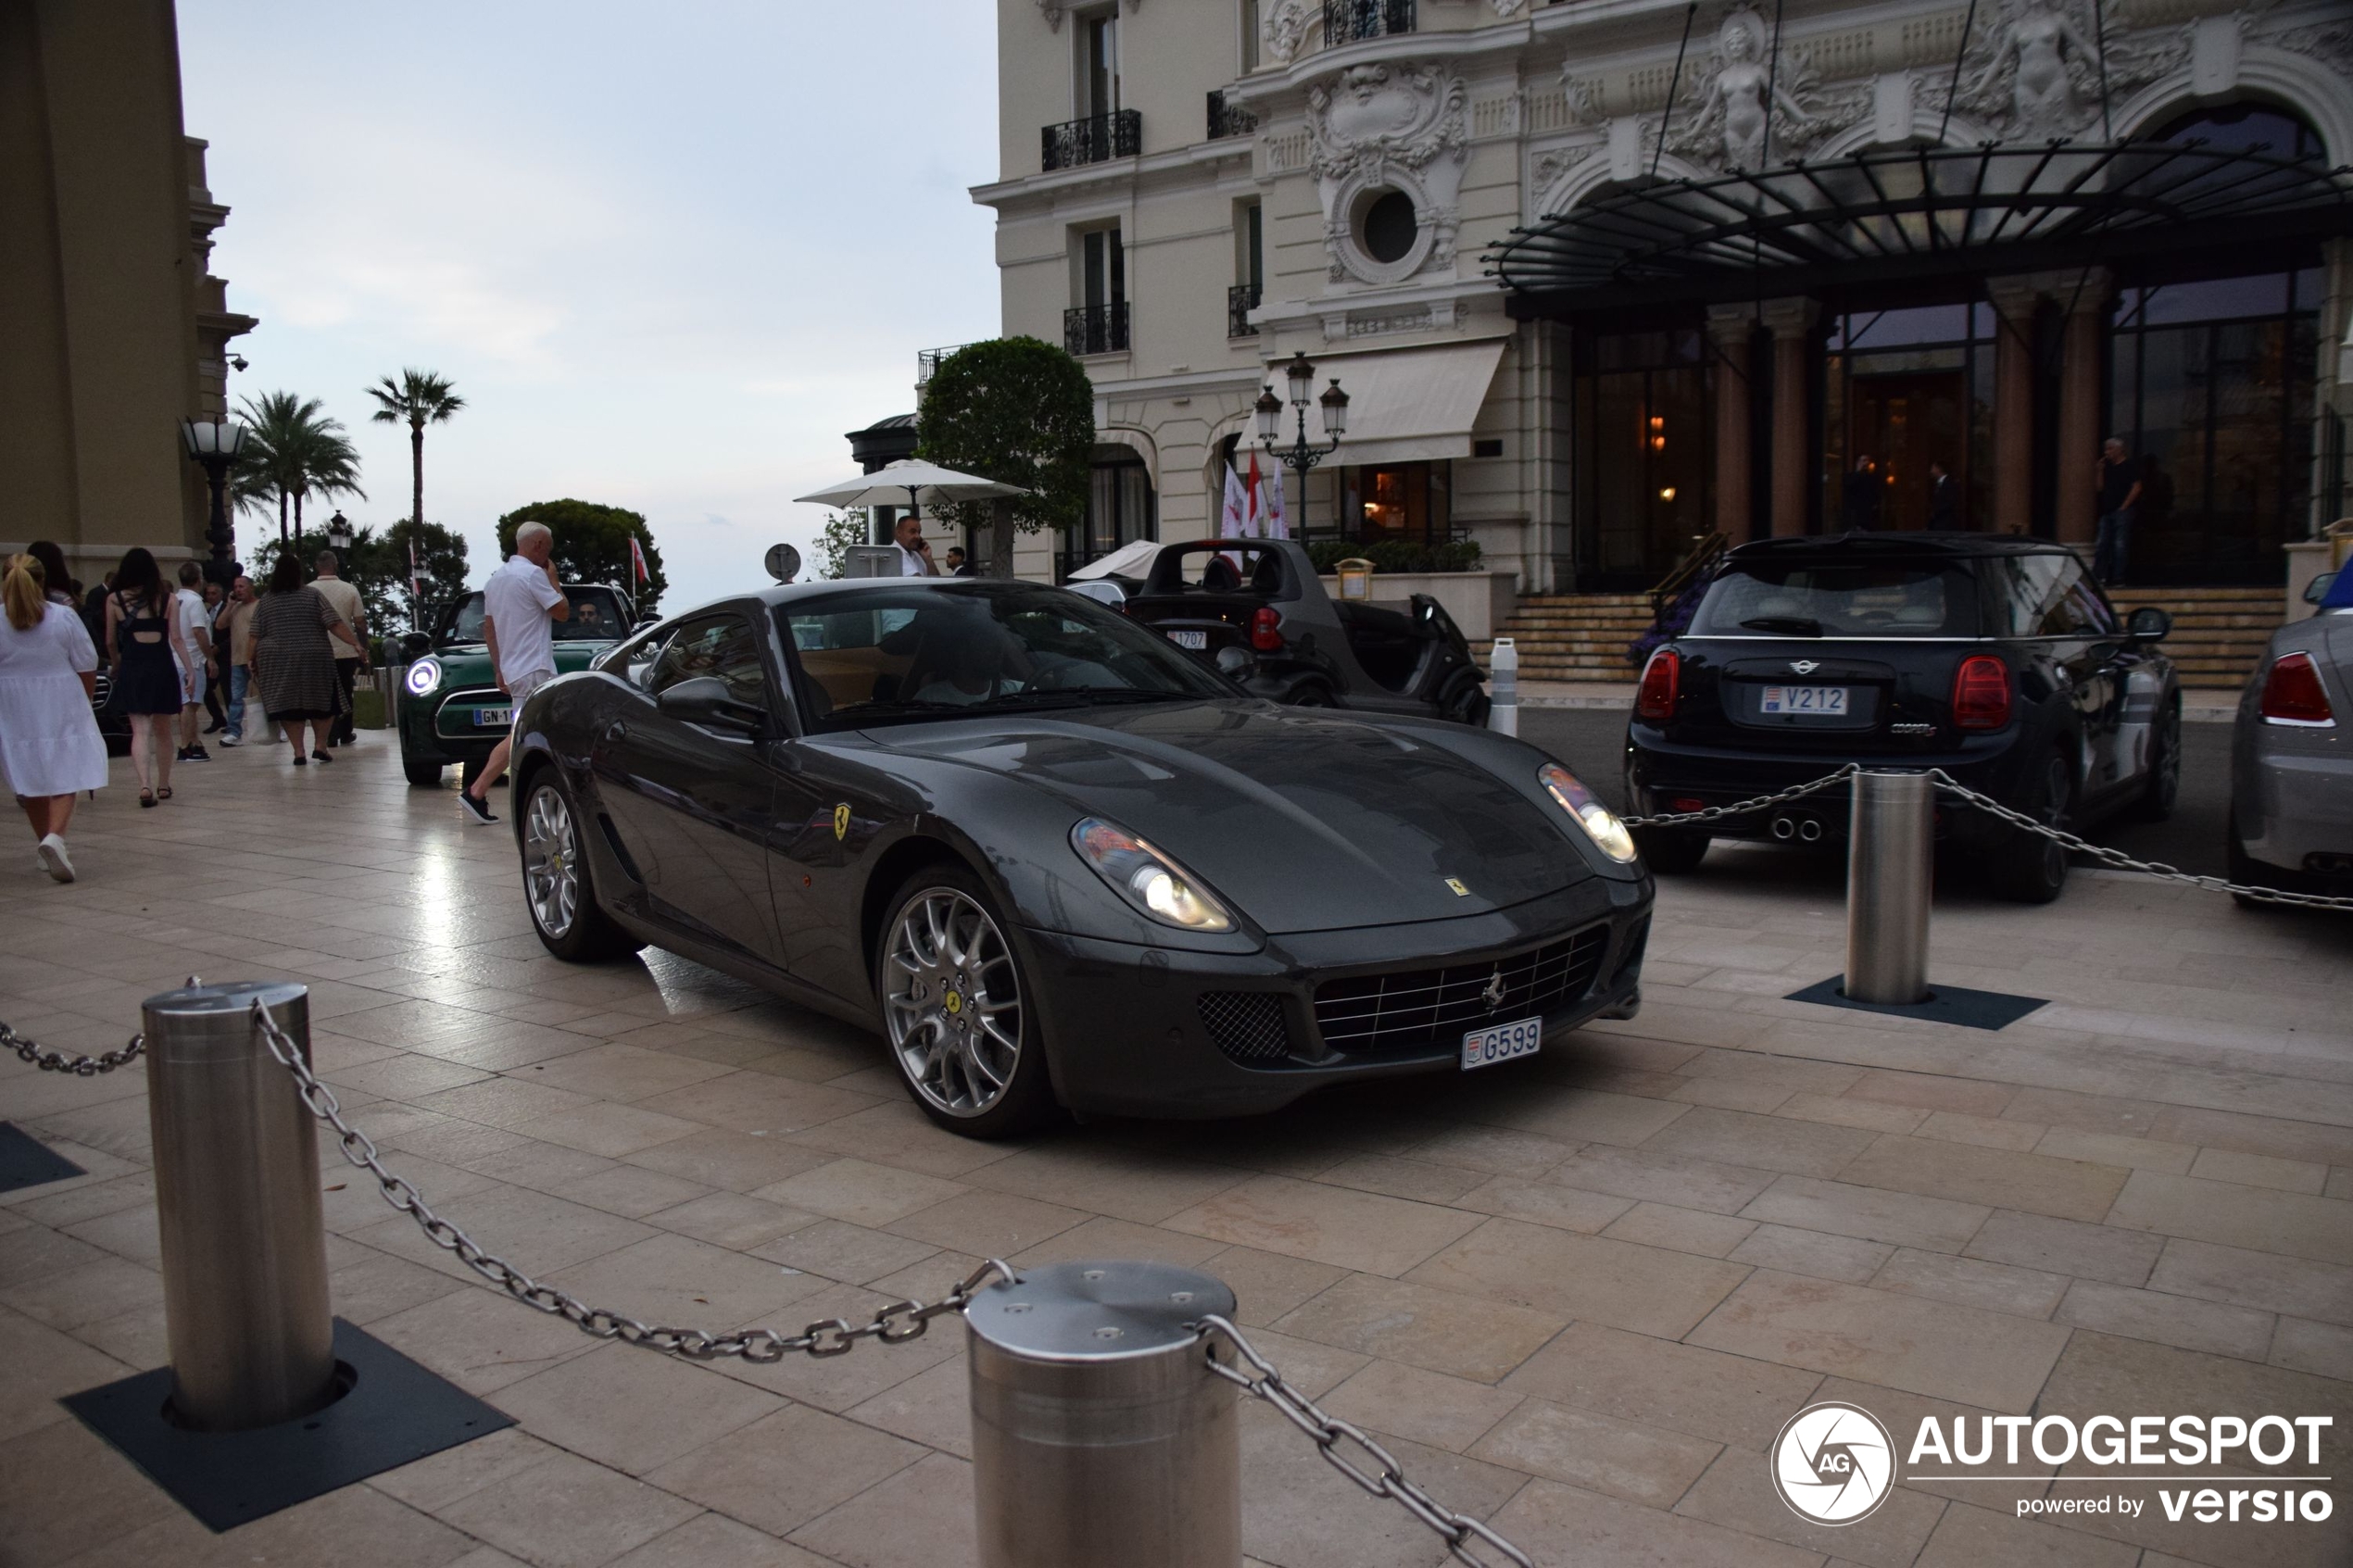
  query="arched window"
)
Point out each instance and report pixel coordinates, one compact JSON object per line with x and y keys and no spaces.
{"x":2247,"y":127}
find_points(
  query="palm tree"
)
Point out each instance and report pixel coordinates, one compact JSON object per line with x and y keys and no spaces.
{"x":417,"y":399}
{"x":291,"y":451}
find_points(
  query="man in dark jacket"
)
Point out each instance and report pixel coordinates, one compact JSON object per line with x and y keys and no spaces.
{"x":1861,"y":497}
{"x":1944,"y":497}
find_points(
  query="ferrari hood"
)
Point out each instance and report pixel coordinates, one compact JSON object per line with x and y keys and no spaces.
{"x":1304,"y":820}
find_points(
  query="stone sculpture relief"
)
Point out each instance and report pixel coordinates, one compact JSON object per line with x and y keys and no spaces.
{"x":1737,"y":92}
{"x":1282,"y":29}
{"x":2028,"y":81}
{"x":1397,"y":125}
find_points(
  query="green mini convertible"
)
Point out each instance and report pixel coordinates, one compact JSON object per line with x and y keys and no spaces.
{"x":451,"y":709}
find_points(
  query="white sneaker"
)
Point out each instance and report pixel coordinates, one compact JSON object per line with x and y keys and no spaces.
{"x":53,"y":861}
{"x":230,"y":740}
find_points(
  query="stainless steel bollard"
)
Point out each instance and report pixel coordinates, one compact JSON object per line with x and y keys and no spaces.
{"x":1890,"y":874}
{"x":1101,"y":1439}
{"x":237,"y":1201}
{"x":1502,"y":687}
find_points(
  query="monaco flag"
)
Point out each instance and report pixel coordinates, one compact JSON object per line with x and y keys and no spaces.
{"x":637,"y":562}
{"x":1234,"y":522}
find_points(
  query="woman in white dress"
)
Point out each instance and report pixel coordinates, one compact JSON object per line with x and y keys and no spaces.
{"x":50,"y":748}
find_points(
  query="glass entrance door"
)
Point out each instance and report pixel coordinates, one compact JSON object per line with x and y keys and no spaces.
{"x":1903,"y":423}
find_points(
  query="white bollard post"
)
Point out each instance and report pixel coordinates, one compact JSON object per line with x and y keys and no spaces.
{"x":1502,"y":687}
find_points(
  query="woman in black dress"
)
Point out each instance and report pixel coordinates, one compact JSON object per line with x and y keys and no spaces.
{"x":294,"y":661}
{"x":142,"y":637}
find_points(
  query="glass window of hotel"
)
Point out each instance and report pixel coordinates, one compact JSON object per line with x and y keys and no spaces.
{"x":1250,"y":36}
{"x":1907,"y":387}
{"x":1408,"y":502}
{"x":2211,"y":385}
{"x":1098,"y":79}
{"x":1644,"y":431}
{"x":1121,"y":508}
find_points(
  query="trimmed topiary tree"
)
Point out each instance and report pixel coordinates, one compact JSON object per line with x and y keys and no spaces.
{"x":1020,"y":411}
{"x":592,"y":546}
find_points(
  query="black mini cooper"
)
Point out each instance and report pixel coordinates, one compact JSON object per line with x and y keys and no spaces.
{"x":1994,"y":657}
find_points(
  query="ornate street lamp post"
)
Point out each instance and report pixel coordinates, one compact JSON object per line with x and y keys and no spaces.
{"x":214,"y":444}
{"x":1301,"y":455}
{"x":338,"y":535}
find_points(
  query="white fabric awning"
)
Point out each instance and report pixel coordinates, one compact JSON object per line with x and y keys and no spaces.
{"x":1407,"y":405}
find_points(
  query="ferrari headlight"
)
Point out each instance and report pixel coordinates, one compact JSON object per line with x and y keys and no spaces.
{"x":423,"y":678}
{"x":1601,"y":823}
{"x":1155,"y":884}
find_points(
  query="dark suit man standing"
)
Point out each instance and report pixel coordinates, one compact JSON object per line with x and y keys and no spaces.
{"x":1944,"y":497}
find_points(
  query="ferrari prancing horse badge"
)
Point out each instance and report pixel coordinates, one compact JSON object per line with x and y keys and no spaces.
{"x":841,"y":821}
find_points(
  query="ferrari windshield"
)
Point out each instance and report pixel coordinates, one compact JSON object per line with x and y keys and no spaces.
{"x":597,"y":616}
{"x":954,"y":650}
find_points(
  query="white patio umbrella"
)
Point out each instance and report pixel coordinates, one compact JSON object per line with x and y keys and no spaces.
{"x":910,"y":482}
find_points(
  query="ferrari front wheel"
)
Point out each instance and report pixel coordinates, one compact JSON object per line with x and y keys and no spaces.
{"x":956,"y":1009}
{"x":564,"y":911}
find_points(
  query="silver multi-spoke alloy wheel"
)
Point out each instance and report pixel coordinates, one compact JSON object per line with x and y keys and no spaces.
{"x":551,"y":862}
{"x":951,"y":1000}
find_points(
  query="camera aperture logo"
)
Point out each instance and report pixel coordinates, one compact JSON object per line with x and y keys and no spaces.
{"x":1833,"y":1463}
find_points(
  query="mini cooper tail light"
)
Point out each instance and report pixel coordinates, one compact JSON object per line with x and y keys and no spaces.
{"x":2293,"y":692}
{"x":1266,"y":630}
{"x":1601,"y":824}
{"x":1981,"y":693}
{"x":1662,"y":683}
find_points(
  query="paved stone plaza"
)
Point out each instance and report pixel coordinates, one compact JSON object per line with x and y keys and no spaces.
{"x":1578,"y":1296}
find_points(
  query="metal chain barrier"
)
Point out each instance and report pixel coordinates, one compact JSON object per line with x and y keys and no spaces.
{"x":894,"y":1324}
{"x":1744,"y":807}
{"x":1460,"y":1532}
{"x":80,"y":1066}
{"x":2119,"y":860}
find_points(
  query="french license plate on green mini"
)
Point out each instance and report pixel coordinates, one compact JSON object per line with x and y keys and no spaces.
{"x":1829,"y":701}
{"x":486,"y":717}
{"x":1197,"y":641}
{"x":1485,"y":1048}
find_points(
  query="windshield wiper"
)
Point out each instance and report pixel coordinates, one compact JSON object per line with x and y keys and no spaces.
{"x":1787,"y":625}
{"x":910,"y":704}
{"x":1082,"y":695}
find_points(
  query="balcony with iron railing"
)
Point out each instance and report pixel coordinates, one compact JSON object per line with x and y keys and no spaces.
{"x":1096,"y":139}
{"x":1096,"y":329}
{"x":928,"y":360}
{"x":1240,"y":300}
{"x":1229,"y":119}
{"x":1345,"y":21}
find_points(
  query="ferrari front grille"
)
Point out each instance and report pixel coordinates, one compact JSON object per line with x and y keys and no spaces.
{"x":1247,"y":1025}
{"x":1426,"y":1008}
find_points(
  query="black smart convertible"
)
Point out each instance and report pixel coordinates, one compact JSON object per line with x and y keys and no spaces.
{"x":1056,"y":860}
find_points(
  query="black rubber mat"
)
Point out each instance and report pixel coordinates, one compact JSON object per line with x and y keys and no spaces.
{"x":395,"y":1412}
{"x":1946,"y":1004}
{"x":26,"y":1161}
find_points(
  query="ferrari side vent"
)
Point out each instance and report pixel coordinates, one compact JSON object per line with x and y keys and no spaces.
{"x":1431,"y":1008}
{"x":1637,"y":941}
{"x":1247,"y":1025}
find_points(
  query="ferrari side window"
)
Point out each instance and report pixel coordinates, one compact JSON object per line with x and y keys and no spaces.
{"x":718,"y":645}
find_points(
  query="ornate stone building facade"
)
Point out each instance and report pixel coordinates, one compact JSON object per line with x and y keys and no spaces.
{"x":117,"y":330}
{"x":1603,"y":278}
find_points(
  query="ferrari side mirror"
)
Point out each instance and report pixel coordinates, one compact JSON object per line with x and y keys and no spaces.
{"x":2148,"y":624}
{"x":708,"y":701}
{"x":1236,"y":664}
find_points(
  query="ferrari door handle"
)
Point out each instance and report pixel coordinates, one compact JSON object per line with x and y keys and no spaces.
{"x":615,"y":729}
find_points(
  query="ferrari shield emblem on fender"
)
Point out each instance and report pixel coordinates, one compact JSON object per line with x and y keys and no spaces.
{"x":1459,"y":890}
{"x":841,"y":821}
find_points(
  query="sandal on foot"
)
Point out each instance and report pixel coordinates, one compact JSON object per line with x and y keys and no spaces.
{"x":163,"y":792}
{"x":320,"y":757}
{"x":147,"y":798}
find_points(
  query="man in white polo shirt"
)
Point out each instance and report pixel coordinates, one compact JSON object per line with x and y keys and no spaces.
{"x":519,"y":605}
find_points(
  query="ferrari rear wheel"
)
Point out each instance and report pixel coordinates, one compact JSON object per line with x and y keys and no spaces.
{"x":563,"y":905}
{"x":955,"y":1010}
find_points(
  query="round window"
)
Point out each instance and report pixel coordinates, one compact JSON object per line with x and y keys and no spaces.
{"x":1389,"y":226}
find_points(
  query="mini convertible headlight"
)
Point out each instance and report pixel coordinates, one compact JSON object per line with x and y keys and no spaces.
{"x":1601,"y":823}
{"x":423,"y":677}
{"x":1156,"y":886}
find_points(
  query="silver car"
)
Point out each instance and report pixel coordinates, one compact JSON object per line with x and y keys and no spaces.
{"x":2291,"y":824}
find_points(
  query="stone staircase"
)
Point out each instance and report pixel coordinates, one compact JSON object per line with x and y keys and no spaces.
{"x":1574,"y":637}
{"x":2218,"y":633}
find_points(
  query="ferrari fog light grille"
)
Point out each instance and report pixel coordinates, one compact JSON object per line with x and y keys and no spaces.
{"x":1425,"y":1008}
{"x":1634,"y":946}
{"x":1247,"y":1025}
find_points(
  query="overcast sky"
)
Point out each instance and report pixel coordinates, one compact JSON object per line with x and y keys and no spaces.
{"x":668,"y":254}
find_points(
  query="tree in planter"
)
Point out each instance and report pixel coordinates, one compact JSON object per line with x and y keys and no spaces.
{"x":1020,"y":411}
{"x":592,"y":546}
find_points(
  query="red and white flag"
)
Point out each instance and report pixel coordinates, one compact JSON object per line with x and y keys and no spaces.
{"x":637,"y":562}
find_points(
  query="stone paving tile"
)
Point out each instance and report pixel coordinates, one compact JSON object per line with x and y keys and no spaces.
{"x":2293,"y":1286}
{"x":1955,"y":1352}
{"x":1545,"y":1203}
{"x":1969,"y":1536}
{"x":1349,"y":1230}
{"x":568,"y":1512}
{"x":1428,"y":1407}
{"x":991,"y":1225}
{"x":919,"y":1517}
{"x":1618,"y":1283}
{"x":1734,"y":1399}
{"x":2035,"y":1184}
{"x":1560,"y":1524}
{"x":1870,"y":1214}
{"x":1737,"y":1493}
{"x":65,"y":1491}
{"x":2066,"y":1246}
{"x":2260,"y":1170}
{"x":782,"y":1471}
{"x":1444,"y":1331}
{"x":1796,"y":1251}
{"x":1766,"y":1143}
{"x":2267,"y":1221}
{"x":1680,"y":1230}
{"x":2028,"y":1293}
{"x":2322,"y":1347}
{"x":2169,"y":1320}
{"x":1645,"y":1464}
{"x":859,"y":1192}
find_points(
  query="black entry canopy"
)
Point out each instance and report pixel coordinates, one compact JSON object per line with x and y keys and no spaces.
{"x":1900,"y":213}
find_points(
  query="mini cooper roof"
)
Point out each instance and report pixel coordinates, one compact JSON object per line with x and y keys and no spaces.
{"x":1922,"y":542}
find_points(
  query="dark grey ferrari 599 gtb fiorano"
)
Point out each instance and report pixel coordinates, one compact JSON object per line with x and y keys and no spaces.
{"x":1055,"y":861}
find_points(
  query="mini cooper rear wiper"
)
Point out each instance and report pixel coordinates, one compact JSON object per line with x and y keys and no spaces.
{"x":1786,"y":625}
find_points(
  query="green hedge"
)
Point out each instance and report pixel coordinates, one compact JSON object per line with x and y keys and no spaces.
{"x":1395,"y":554}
